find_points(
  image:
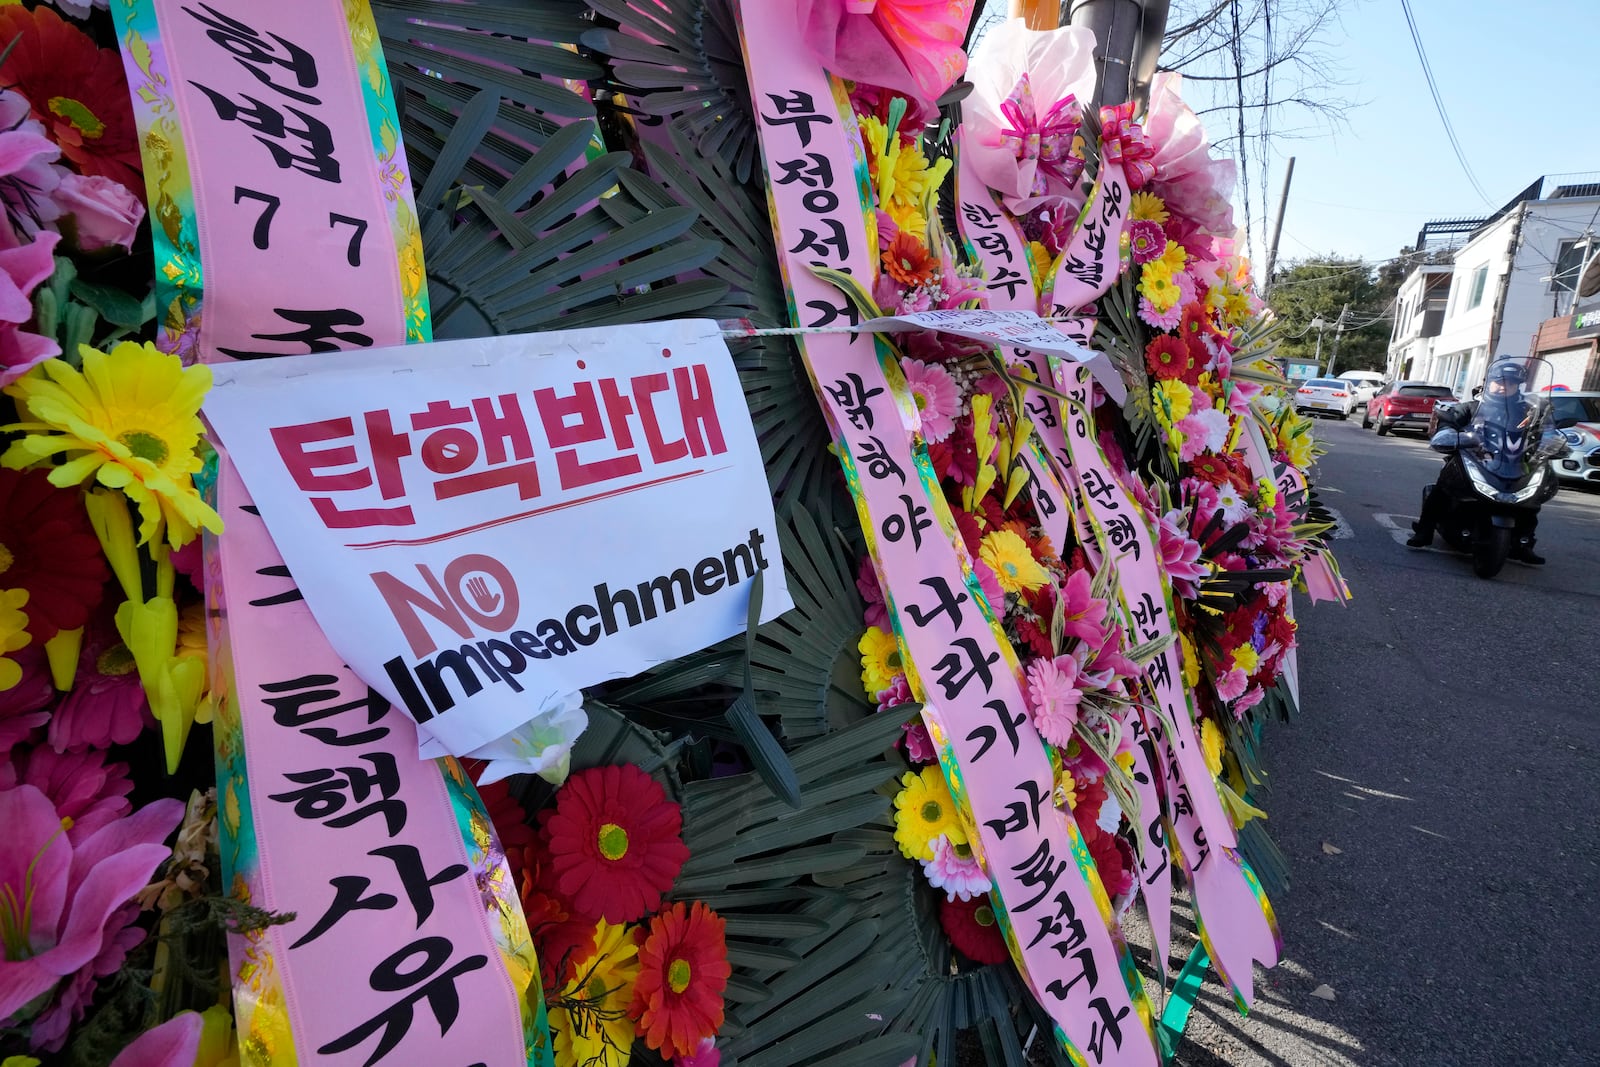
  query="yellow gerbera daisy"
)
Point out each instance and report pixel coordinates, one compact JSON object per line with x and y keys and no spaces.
{"x":13,"y":634}
{"x":129,"y":419}
{"x":1175,"y":259}
{"x":880,"y":659}
{"x":1211,"y":742}
{"x":589,"y":1019}
{"x":1191,"y":662}
{"x":1246,"y":659}
{"x":1156,"y":285}
{"x":1174,"y":400}
{"x":1008,"y":555}
{"x":1148,"y":206}
{"x":924,"y":809}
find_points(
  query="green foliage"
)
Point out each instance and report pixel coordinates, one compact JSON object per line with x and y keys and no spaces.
{"x":1323,"y":286}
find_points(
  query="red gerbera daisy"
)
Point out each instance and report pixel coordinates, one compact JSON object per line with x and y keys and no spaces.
{"x":614,"y":844}
{"x":972,"y":928}
{"x":76,"y":89}
{"x":683,"y":969}
{"x":1193,"y":327}
{"x":1111,"y":862}
{"x":48,"y":548}
{"x":1168,"y":357}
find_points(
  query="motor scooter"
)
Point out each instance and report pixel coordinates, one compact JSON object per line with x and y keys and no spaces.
{"x":1497,"y":473}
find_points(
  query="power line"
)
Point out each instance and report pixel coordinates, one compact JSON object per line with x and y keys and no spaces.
{"x":1438,"y":102}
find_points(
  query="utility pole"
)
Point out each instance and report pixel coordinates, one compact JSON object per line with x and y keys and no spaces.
{"x":1277,"y":227}
{"x":1127,"y":36}
{"x":1338,"y":332}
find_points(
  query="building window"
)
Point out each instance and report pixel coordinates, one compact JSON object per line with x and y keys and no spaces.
{"x":1479,"y":278}
{"x":1569,"y":260}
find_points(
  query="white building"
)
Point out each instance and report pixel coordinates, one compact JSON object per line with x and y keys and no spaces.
{"x":1418,"y":318}
{"x":1514,"y":272}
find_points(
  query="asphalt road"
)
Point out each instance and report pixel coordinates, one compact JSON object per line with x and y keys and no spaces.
{"x":1434,"y":799}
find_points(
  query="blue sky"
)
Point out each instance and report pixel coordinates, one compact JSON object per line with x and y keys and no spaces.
{"x":1519,"y":82}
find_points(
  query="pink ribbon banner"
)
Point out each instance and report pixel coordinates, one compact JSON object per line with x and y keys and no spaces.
{"x":279,"y":186}
{"x":1049,"y":901}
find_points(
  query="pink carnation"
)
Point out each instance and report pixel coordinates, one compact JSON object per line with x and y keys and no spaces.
{"x":1232,"y":685}
{"x":919,"y":743}
{"x":1160,"y":320}
{"x":877,"y":612}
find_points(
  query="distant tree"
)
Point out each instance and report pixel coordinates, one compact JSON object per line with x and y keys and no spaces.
{"x":1321,"y":287}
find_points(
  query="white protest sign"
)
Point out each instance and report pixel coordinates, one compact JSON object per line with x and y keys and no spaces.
{"x":1007,"y":329}
{"x":483,"y":527}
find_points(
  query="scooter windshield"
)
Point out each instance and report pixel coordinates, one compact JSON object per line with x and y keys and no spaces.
{"x":1513,"y":418}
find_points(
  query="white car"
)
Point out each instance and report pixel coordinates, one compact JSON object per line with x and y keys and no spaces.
{"x":1363,"y":389}
{"x":1332,"y":396}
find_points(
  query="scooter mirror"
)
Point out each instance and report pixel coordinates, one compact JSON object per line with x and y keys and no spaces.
{"x":1445,"y":441}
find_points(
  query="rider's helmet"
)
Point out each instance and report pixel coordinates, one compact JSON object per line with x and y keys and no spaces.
{"x":1505,"y":378}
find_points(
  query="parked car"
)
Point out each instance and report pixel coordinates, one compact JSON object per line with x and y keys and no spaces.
{"x":1331,"y":395}
{"x":1404,"y":405}
{"x":1364,"y":385}
{"x":1578,"y":419}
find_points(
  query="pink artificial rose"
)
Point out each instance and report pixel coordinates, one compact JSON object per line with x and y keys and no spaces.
{"x":104,"y":212}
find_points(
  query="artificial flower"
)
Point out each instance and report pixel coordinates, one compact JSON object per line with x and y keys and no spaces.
{"x":103,"y":213}
{"x":1147,"y":205}
{"x":130,"y":419}
{"x":1013,"y":563}
{"x":1188,"y":180}
{"x":107,"y":704}
{"x":902,"y":177}
{"x":918,"y":742}
{"x":1053,"y":695}
{"x":77,"y":91}
{"x":954,"y":869}
{"x":1168,"y":358}
{"x":913,"y":47}
{"x":1146,"y":241}
{"x":1204,"y":430}
{"x":880,"y":659}
{"x":589,"y":1018}
{"x":29,"y":176}
{"x":989,"y":582}
{"x":924,"y":809}
{"x":1164,"y":316}
{"x":14,"y":634}
{"x":62,"y":913}
{"x":174,"y":1043}
{"x":22,"y":707}
{"x":898,"y":693}
{"x":908,"y":261}
{"x":705,"y":1054}
{"x":683,"y":969}
{"x":1232,"y":684}
{"x":1083,"y":615}
{"x":542,"y":745}
{"x":22,"y":269}
{"x":48,"y":548}
{"x":973,"y":929}
{"x":1232,"y":504}
{"x":1246,"y":659}
{"x":86,"y":791}
{"x":1173,"y":399}
{"x":1211,"y":743}
{"x":936,"y":395}
{"x":173,"y":683}
{"x":1180,"y":553}
{"x":1113,"y":861}
{"x":185,"y":876}
{"x":564,"y":940}
{"x":614,"y":842}
{"x":877,"y":612}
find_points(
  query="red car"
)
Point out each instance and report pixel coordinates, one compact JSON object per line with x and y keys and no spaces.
{"x":1404,"y":406}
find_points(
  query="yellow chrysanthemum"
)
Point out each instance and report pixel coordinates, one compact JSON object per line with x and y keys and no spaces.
{"x":589,"y":1019}
{"x":13,"y":634}
{"x":1211,"y":742}
{"x":1008,"y":556}
{"x":901,"y":175}
{"x":1148,"y":206}
{"x":924,"y":809}
{"x":1236,"y":309}
{"x":130,"y":420}
{"x":1298,"y":450}
{"x":880,"y":659}
{"x":1246,"y":659}
{"x":1174,"y":400}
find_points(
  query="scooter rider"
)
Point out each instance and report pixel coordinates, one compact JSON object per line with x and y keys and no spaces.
{"x":1502,"y":410}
